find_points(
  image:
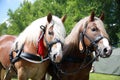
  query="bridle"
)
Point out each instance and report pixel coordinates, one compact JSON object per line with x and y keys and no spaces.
{"x":93,"y":43}
{"x":87,"y":49}
{"x":51,"y":43}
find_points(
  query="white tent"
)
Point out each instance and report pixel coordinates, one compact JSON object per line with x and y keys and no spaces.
{"x":109,"y":65}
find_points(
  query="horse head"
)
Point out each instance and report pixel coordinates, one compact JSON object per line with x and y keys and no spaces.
{"x":93,"y":36}
{"x":54,"y":37}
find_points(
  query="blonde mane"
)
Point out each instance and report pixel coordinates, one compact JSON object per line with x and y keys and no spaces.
{"x":32,"y":32}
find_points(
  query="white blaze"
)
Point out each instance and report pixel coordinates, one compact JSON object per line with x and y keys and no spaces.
{"x":105,"y":42}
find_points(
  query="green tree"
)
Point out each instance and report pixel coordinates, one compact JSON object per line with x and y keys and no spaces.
{"x":20,"y":18}
{"x":74,"y":9}
{"x":3,"y":28}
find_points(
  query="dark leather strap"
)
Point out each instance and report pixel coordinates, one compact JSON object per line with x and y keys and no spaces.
{"x":33,"y":58}
{"x":30,"y":56}
{"x":76,"y":59}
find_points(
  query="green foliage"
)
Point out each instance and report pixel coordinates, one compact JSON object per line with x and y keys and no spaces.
{"x":20,"y":18}
{"x":74,"y":9}
{"x":3,"y":28}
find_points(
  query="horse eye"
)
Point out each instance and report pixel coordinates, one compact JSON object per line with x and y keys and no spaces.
{"x":50,"y":33}
{"x":94,"y":29}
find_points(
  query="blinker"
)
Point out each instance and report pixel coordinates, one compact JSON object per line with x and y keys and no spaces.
{"x":43,"y":28}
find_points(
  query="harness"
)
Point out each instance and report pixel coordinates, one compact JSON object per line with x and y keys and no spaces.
{"x":31,"y":57}
{"x":86,"y":61}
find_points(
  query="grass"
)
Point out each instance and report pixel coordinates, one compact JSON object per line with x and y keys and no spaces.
{"x":96,"y":76}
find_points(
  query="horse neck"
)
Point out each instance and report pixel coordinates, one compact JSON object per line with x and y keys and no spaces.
{"x":71,"y":46}
{"x":30,"y":48}
{"x":71,"y":50}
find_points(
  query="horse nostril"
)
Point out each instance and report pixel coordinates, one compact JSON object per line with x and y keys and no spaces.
{"x":54,"y":56}
{"x":105,"y":50}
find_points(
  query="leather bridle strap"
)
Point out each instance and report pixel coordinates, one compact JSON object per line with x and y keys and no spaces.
{"x":93,"y":43}
{"x":50,"y":44}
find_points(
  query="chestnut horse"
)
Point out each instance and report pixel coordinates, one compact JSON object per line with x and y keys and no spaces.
{"x":6,"y":42}
{"x":88,"y":35}
{"x":39,"y":43}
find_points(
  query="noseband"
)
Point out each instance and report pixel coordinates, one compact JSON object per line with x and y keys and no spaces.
{"x":93,"y":43}
{"x":50,"y":44}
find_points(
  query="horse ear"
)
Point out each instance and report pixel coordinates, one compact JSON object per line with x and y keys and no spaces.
{"x":49,"y":17}
{"x":64,"y":18}
{"x":102,"y":16}
{"x":92,"y":16}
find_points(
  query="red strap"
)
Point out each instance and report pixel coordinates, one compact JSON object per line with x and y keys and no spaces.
{"x":41,"y":47}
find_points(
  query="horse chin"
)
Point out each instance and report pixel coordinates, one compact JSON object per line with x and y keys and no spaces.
{"x":103,"y":56}
{"x":56,"y":60}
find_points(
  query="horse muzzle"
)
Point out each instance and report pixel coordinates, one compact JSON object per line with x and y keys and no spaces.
{"x":104,"y":52}
{"x":56,"y":57}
